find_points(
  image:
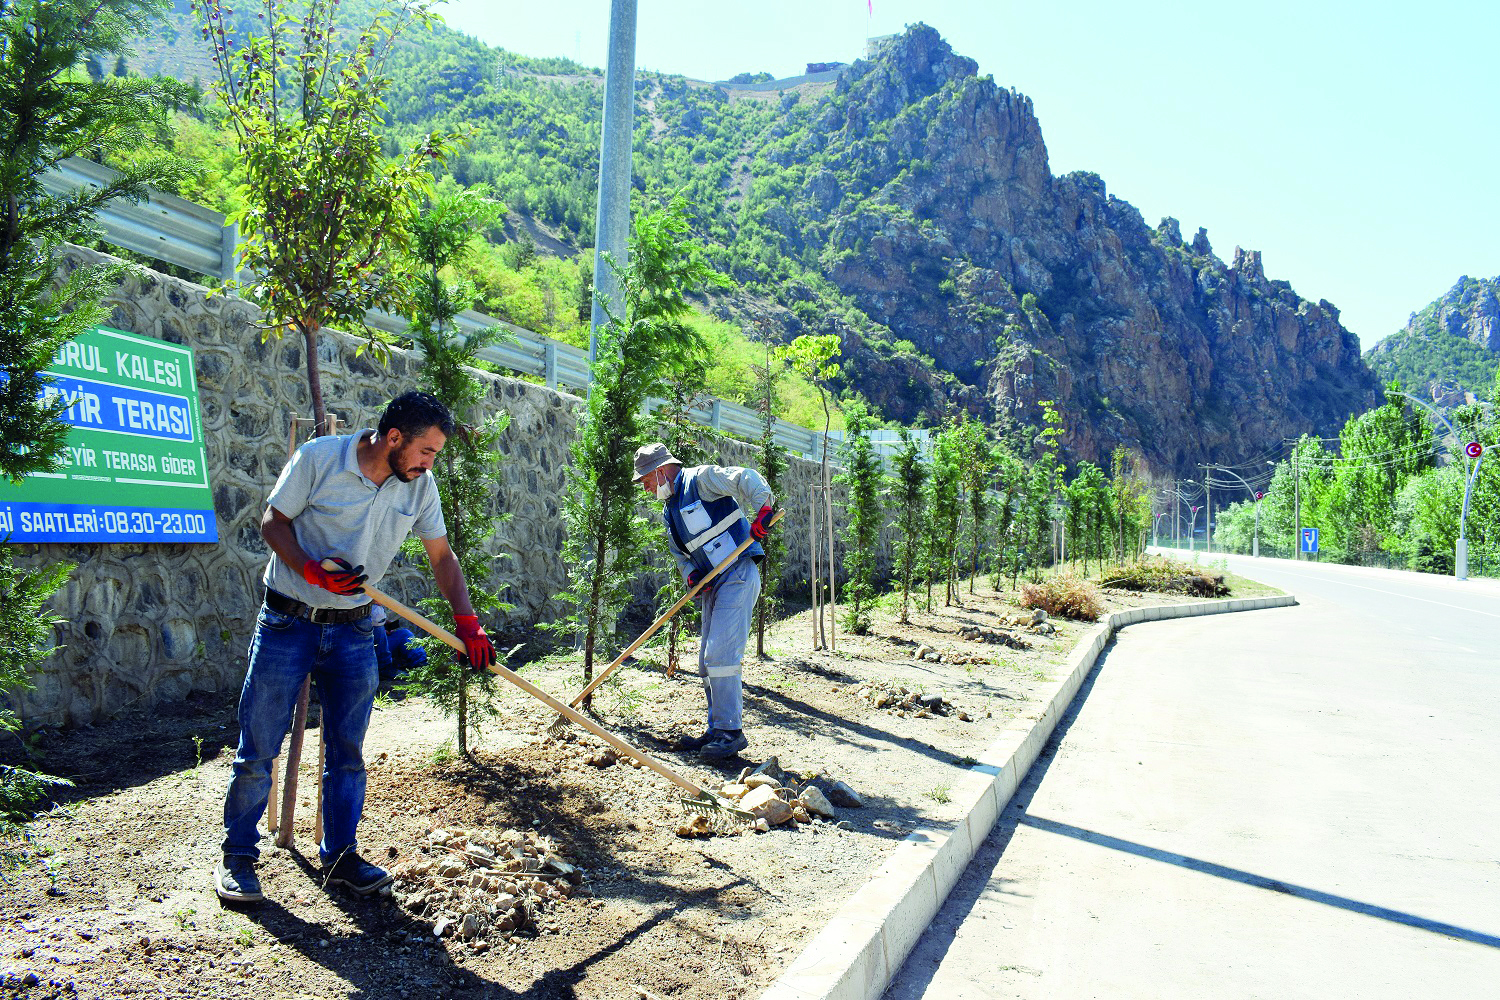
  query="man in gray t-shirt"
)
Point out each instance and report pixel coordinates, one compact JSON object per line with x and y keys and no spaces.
{"x":334,"y":520}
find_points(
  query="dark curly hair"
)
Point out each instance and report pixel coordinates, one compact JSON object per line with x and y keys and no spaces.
{"x":413,"y":412}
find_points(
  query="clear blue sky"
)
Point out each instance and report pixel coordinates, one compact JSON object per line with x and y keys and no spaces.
{"x":1356,"y":144}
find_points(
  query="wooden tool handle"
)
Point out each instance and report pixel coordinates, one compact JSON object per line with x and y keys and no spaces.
{"x":433,"y":629}
{"x":728,"y":561}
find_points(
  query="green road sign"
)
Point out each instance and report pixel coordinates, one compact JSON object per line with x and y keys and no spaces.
{"x":136,"y":468}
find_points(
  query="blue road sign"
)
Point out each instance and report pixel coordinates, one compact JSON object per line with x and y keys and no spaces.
{"x":1309,"y":539}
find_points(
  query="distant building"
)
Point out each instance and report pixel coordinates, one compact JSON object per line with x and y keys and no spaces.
{"x":827,"y":67}
{"x":874,"y":45}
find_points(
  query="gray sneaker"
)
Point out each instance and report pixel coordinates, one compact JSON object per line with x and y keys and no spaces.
{"x":357,"y":875}
{"x":725,"y":743}
{"x":235,"y":880}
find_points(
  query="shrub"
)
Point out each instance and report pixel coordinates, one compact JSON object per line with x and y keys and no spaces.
{"x":1067,"y":596}
{"x":1165,"y":576}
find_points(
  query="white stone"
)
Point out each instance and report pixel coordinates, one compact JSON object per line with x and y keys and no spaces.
{"x":763,"y":803}
{"x":816,"y":802}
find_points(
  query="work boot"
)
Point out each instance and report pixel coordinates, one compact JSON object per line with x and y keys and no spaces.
{"x":235,"y":880}
{"x":357,"y":875}
{"x":692,"y":744}
{"x":724,"y":743}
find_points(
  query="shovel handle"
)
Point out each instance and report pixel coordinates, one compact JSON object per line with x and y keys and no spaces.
{"x":667,"y":616}
{"x":433,"y":629}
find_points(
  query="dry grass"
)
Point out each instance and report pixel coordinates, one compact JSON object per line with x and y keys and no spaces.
{"x":1065,"y":596}
{"x":1165,"y":576}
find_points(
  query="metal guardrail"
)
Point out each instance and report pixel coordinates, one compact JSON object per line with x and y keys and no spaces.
{"x":164,"y":227}
{"x":177,"y":231}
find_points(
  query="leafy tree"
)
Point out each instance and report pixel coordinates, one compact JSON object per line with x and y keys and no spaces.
{"x":773,"y":466}
{"x":51,"y":108}
{"x":50,"y":111}
{"x":1130,"y":503}
{"x":691,"y":442}
{"x":325,"y":209}
{"x":945,"y":508}
{"x":811,"y":357}
{"x":864,"y":515}
{"x":1009,"y":497}
{"x":1087,"y":497}
{"x":637,"y":352}
{"x":1380,"y":449}
{"x":976,"y":464}
{"x":27,"y":627}
{"x":442,"y":239}
{"x":908,"y":493}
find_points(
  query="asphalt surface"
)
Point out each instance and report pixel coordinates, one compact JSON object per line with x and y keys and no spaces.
{"x":1296,"y":802}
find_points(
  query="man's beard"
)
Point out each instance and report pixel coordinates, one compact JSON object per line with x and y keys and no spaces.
{"x":397,"y":462}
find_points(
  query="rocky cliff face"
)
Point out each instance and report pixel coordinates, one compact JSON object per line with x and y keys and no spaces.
{"x":1470,"y":310}
{"x":1451,"y":348}
{"x":938,"y":214}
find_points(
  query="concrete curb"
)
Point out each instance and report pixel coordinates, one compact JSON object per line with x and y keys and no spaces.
{"x":859,"y":951}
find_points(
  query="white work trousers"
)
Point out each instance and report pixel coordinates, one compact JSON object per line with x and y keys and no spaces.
{"x":726,"y":614}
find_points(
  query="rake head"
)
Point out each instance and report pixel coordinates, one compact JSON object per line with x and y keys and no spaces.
{"x":559,"y":726}
{"x":717,"y":813}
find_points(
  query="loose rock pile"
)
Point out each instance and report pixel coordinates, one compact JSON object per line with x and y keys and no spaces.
{"x":478,"y":886}
{"x":905,"y":701}
{"x":925,"y":652}
{"x":774,"y":797}
{"x":1034,"y":620}
{"x":973,"y":633}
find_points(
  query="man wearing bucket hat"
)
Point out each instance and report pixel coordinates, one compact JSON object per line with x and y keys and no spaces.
{"x":704,"y":509}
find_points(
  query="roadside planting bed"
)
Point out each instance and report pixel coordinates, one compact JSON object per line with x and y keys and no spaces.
{"x":545,"y":867}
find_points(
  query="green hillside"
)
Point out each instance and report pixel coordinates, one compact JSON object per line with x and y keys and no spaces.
{"x":1450,"y":346}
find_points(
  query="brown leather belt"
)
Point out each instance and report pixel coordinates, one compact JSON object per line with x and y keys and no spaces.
{"x":277,"y":601}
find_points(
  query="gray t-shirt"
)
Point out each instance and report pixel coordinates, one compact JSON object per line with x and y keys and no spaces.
{"x":337,"y":512}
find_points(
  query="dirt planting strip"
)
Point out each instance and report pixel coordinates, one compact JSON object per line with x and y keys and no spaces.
{"x":543,"y":867}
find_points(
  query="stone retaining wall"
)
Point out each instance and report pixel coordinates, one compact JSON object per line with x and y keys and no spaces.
{"x":150,"y":623}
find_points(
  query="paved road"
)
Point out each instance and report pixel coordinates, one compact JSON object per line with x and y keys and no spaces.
{"x":1298,"y":802}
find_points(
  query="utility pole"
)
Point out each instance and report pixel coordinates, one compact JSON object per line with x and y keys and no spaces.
{"x":612,"y":221}
{"x":1177,"y":512}
{"x":1296,"y":507}
{"x":1208,"y":510}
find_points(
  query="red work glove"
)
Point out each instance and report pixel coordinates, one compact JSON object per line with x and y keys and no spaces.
{"x":481,"y":652}
{"x":693,"y":578}
{"x":762,"y":523}
{"x":341,"y":579}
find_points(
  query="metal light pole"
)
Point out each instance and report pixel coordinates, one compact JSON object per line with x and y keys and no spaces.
{"x":1255,"y":541}
{"x":1460,"y":547}
{"x":612,"y":221}
{"x":1461,"y":553}
{"x":1193,"y":529}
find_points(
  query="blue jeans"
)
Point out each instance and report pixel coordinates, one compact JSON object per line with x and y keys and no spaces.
{"x":727,"y":612}
{"x":341,"y":659}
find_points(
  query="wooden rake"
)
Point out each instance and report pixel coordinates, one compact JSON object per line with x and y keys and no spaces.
{"x":720,"y":812}
{"x":560,"y":724}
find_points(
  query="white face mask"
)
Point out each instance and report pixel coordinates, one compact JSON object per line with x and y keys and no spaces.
{"x":664,"y":490}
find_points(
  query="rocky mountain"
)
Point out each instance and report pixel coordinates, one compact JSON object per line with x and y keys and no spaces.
{"x":934,"y":208}
{"x":1451,"y":348}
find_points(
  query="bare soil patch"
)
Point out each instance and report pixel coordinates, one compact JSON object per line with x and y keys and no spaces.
{"x":122,"y":904}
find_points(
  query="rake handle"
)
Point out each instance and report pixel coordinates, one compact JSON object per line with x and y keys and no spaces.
{"x":728,"y":561}
{"x":436,"y":630}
